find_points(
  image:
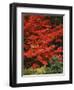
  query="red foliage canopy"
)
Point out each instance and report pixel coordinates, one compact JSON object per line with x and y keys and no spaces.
{"x":42,"y":38}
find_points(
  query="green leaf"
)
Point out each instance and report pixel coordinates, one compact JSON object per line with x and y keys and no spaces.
{"x":49,"y":64}
{"x":55,"y":58}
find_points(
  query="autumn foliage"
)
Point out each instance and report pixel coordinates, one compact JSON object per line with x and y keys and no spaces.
{"x":43,"y":40}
